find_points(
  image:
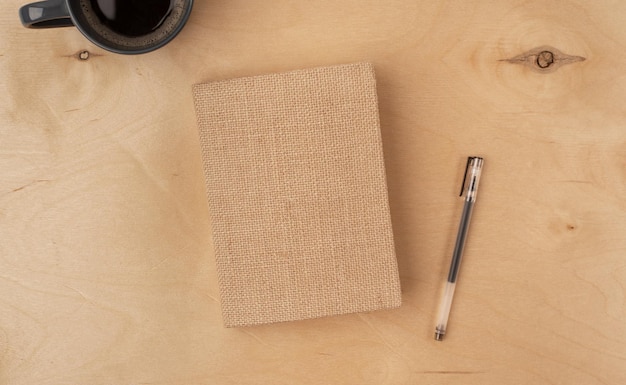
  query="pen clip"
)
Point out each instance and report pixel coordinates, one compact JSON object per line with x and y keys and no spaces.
{"x":469,"y":159}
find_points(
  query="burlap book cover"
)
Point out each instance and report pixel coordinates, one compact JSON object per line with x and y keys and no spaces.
{"x":297,"y":194}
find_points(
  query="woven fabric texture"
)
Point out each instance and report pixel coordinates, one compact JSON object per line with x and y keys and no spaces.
{"x":297,"y":194}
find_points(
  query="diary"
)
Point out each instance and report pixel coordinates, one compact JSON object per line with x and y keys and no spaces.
{"x":297,"y":194}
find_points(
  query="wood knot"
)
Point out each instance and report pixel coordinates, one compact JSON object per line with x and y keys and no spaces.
{"x":544,"y":59}
{"x":83,"y":55}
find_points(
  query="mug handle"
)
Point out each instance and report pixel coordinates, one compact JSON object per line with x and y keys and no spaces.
{"x":46,"y":14}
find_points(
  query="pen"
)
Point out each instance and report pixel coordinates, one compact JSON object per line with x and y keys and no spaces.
{"x":472,"y":176}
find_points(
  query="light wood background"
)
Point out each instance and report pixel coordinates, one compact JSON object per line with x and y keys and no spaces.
{"x":106,"y":267}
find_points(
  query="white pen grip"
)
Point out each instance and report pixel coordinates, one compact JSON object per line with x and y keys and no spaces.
{"x":444,"y":308}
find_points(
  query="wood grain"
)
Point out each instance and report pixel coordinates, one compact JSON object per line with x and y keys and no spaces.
{"x":106,"y":267}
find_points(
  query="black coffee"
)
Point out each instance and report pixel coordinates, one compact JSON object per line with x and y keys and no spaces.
{"x":132,"y":17}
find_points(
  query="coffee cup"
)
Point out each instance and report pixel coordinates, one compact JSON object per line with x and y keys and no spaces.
{"x":120,"y":26}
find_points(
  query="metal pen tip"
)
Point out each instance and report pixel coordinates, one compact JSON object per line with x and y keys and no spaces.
{"x":439,"y":336}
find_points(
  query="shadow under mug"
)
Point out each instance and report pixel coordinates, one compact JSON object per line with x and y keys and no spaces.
{"x":120,"y":26}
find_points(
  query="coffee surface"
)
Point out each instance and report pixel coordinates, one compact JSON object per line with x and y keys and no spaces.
{"x":132,"y":17}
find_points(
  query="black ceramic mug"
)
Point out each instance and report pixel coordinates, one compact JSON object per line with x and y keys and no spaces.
{"x":121,"y":26}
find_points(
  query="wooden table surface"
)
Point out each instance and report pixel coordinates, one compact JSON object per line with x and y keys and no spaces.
{"x":107,"y":274}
